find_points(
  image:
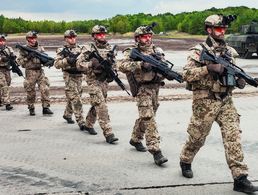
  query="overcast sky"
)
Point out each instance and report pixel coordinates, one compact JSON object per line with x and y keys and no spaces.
{"x":70,"y":10}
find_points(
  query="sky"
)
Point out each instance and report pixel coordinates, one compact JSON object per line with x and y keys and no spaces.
{"x":71,"y":10}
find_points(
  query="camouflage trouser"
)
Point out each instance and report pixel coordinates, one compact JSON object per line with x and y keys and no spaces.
{"x":205,"y":112}
{"x":5,"y":81}
{"x":98,"y":95}
{"x":147,"y":102}
{"x":34,"y":77}
{"x":73,"y":92}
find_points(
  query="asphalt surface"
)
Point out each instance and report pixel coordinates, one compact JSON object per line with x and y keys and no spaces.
{"x":45,"y":155}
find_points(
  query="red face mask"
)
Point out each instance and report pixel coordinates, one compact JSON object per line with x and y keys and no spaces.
{"x":100,"y":36}
{"x":220,"y":29}
{"x":146,"y":39}
{"x":71,"y":40}
{"x":32,"y":40}
{"x":2,"y":41}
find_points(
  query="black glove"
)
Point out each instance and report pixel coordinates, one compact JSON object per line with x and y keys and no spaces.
{"x":12,"y":56}
{"x":95,"y":63}
{"x":217,"y":68}
{"x":146,"y":66}
{"x":71,"y":60}
{"x":31,"y":55}
{"x":4,"y":59}
{"x":240,"y":83}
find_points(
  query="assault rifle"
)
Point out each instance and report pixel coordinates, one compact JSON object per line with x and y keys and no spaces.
{"x":107,"y":65}
{"x":162,"y":67}
{"x":67,"y":53}
{"x":231,"y":71}
{"x":13,"y":64}
{"x":43,"y":57}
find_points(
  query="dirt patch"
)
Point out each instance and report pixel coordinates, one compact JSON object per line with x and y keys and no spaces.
{"x":52,"y":42}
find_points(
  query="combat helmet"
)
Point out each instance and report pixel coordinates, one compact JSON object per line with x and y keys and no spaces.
{"x":98,"y":29}
{"x":218,"y":20}
{"x":3,"y":36}
{"x":70,"y":33}
{"x":142,"y":30}
{"x":31,"y":34}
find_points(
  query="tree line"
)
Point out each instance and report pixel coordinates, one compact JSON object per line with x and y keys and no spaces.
{"x":188,"y":22}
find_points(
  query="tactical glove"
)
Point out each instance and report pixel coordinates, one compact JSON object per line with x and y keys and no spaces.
{"x":240,"y":83}
{"x":217,"y":68}
{"x":4,"y":59}
{"x":71,"y":60}
{"x":31,"y":55}
{"x":146,"y":66}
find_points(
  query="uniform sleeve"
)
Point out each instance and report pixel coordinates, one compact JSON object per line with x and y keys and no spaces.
{"x":83,"y":62}
{"x":60,"y":60}
{"x":194,"y":70}
{"x":22,"y":58}
{"x":127,"y":64}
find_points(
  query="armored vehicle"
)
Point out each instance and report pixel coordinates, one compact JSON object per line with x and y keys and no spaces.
{"x":245,"y":43}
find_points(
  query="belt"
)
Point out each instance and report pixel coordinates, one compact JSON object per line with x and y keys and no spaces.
{"x":199,"y":94}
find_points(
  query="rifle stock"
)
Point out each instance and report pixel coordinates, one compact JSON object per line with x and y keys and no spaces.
{"x":158,"y":66}
{"x":107,"y":66}
{"x":43,"y":57}
{"x":230,"y":70}
{"x":14,"y":66}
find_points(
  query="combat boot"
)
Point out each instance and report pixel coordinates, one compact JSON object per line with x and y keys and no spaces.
{"x":69,"y":120}
{"x":90,"y":130}
{"x":186,"y":170}
{"x":82,"y":127}
{"x":159,"y":159}
{"x":32,"y":111}
{"x":47,"y":111}
{"x":242,"y":184}
{"x":111,"y":139}
{"x":138,"y":146}
{"x":8,"y":107}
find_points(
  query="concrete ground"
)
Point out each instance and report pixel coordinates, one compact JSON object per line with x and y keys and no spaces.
{"x":45,"y":155}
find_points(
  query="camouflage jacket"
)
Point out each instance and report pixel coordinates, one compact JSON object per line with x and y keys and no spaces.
{"x":27,"y":62}
{"x":195,"y":72}
{"x":8,"y":51}
{"x":61,"y":59}
{"x":84,"y":63}
{"x":141,"y":75}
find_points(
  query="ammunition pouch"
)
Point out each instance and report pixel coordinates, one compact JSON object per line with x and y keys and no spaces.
{"x":133,"y":84}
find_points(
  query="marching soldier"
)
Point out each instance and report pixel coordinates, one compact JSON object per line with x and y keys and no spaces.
{"x":212,"y":101}
{"x":34,"y":75}
{"x":5,"y":76}
{"x":66,"y":60}
{"x":97,"y":80}
{"x":144,"y":84}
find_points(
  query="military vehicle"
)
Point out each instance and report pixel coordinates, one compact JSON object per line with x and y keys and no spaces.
{"x":245,"y":43}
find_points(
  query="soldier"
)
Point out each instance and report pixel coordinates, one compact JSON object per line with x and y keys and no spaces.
{"x":34,"y":75}
{"x":66,"y":60}
{"x":5,"y":76}
{"x":97,"y":81}
{"x":144,"y":84}
{"x":212,"y":101}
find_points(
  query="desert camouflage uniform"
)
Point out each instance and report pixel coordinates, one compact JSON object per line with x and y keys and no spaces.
{"x":147,"y":98}
{"x":73,"y":84}
{"x":34,"y":75}
{"x":212,"y":102}
{"x":5,"y":77}
{"x":97,"y":81}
